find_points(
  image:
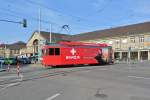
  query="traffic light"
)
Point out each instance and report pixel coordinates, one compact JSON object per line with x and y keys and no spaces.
{"x":24,"y":23}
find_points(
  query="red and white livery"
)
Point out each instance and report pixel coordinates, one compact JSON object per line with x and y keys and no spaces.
{"x":75,"y":53}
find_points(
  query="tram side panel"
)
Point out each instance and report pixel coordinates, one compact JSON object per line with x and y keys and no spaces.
{"x":71,"y":56}
{"x":78,"y":55}
{"x":90,"y":55}
{"x":107,"y":55}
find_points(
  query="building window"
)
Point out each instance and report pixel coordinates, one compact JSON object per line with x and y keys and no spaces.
{"x":147,"y":39}
{"x":141,"y":39}
{"x":11,"y":51}
{"x":141,"y":47}
{"x":18,"y":51}
{"x":117,"y":41}
{"x":132,"y":39}
{"x":124,"y":41}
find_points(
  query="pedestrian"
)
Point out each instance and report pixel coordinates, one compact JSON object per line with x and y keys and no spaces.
{"x":8,"y":67}
{"x":35,"y":60}
{"x":18,"y":66}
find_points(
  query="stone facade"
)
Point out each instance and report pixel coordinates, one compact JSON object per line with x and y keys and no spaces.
{"x":36,"y":41}
{"x":11,"y":50}
{"x":130,"y":42}
{"x":137,"y":45}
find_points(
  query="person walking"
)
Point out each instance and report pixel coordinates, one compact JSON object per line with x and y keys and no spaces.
{"x":8,"y":67}
{"x":18,"y":66}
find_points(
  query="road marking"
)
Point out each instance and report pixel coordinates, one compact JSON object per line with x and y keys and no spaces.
{"x":12,"y":76}
{"x":9,"y":85}
{"x":21,"y":76}
{"x":12,"y":84}
{"x":52,"y":97}
{"x":18,"y":79}
{"x":139,"y":77}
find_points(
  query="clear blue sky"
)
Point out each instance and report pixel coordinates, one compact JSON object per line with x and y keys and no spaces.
{"x":80,"y":15}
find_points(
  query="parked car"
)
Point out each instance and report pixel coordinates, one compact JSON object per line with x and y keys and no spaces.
{"x":33,"y":59}
{"x":11,"y":61}
{"x":1,"y":60}
{"x":24,"y":61}
{"x":27,"y":60}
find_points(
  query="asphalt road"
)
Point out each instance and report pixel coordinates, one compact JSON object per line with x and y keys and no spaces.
{"x":109,"y":82}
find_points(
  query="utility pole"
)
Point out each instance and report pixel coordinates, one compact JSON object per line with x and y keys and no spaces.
{"x":129,"y":55}
{"x":39,"y":23}
{"x":39,"y":41}
{"x":50,"y":35}
{"x":5,"y":51}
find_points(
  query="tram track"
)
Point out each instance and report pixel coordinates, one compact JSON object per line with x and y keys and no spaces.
{"x":49,"y":74}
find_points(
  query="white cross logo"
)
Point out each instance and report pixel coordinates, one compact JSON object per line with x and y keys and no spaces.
{"x":73,"y":51}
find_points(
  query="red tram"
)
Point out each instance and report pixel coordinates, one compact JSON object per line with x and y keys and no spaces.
{"x":75,"y":53}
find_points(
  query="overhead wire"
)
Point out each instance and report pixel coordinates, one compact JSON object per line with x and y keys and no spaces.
{"x":61,"y":14}
{"x":78,"y":19}
{"x":36,"y":19}
{"x":55,"y":10}
{"x":20,"y":15}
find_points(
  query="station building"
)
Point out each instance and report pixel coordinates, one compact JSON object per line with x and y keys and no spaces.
{"x":128,"y":42}
{"x":36,"y":41}
{"x":12,"y":50}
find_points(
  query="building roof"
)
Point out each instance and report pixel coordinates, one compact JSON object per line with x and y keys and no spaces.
{"x":55,"y":36}
{"x":17,"y":45}
{"x":113,"y":32}
{"x":2,"y":45}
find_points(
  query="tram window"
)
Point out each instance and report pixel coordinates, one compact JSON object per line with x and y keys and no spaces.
{"x":51,"y":51}
{"x":57,"y":51}
{"x":46,"y":52}
{"x":43,"y":52}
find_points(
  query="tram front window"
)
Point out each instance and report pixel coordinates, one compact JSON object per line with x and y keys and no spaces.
{"x":57,"y":51}
{"x":51,"y":51}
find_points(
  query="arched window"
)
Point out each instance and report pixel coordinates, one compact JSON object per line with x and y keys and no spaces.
{"x":35,"y":46}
